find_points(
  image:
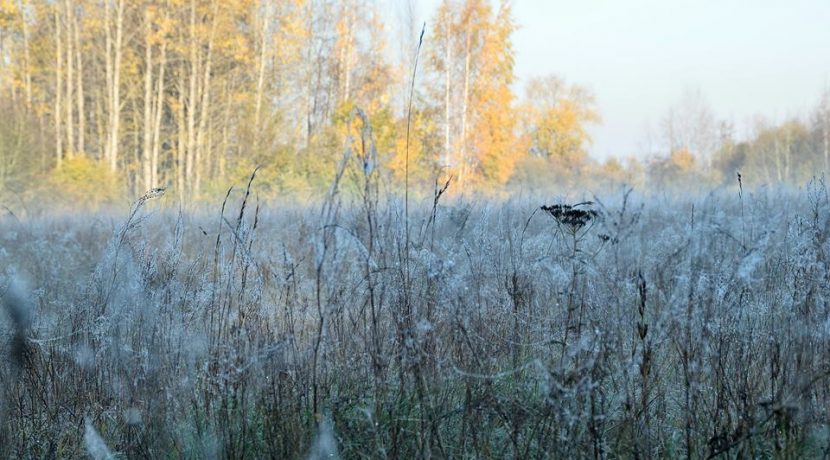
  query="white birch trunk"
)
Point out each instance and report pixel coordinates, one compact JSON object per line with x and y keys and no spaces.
{"x":465,"y":106}
{"x":58,"y":87}
{"x":70,"y":80}
{"x":159,"y":110}
{"x":79,"y":87}
{"x":147,"y":130}
{"x":260,"y":86}
{"x":447,"y":92}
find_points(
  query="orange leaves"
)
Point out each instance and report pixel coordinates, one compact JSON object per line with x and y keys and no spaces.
{"x":472,"y":55}
{"x":555,"y":117}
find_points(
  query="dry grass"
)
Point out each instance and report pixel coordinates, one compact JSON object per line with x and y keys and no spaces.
{"x":665,"y":329}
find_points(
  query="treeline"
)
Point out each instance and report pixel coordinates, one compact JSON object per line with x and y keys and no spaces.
{"x":103,"y":99}
{"x":691,"y":149}
{"x":694,"y":148}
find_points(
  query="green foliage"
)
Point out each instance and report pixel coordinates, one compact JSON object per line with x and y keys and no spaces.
{"x":22,"y":157}
{"x":776,"y":154}
{"x":549,"y":175}
{"x":82,"y":182}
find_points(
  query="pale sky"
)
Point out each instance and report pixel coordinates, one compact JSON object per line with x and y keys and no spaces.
{"x":639,"y":57}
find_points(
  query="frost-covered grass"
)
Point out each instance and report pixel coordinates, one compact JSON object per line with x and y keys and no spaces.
{"x":656,"y":328}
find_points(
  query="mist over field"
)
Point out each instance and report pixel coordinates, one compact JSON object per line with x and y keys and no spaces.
{"x":271,"y":229}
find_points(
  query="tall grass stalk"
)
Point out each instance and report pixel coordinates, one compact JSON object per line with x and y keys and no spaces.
{"x":293,"y":328}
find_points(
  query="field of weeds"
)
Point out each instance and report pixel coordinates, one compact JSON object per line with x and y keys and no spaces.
{"x":622,"y":327}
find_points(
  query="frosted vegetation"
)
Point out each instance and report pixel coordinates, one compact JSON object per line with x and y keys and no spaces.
{"x":645,"y":327}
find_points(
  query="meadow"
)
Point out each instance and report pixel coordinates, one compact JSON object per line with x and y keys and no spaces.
{"x":359,"y":327}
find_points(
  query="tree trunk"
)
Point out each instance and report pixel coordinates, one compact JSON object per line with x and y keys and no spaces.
{"x":181,"y":151}
{"x":100,"y":117}
{"x":113,"y":64}
{"x":465,"y":105}
{"x":159,"y":110}
{"x":260,"y":86}
{"x":109,"y":78}
{"x":195,"y":57}
{"x":58,"y":87}
{"x":204,"y":109}
{"x":447,"y":89}
{"x":147,"y":138}
{"x":778,"y":165}
{"x":79,"y":87}
{"x":27,"y":69}
{"x":223,"y":152}
{"x":70,"y":81}
{"x":346,"y":59}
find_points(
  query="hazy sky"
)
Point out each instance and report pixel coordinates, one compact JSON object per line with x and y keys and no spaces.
{"x":640,"y":56}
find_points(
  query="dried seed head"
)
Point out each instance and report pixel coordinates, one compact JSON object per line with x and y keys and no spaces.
{"x":153,"y":193}
{"x":574,"y":217}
